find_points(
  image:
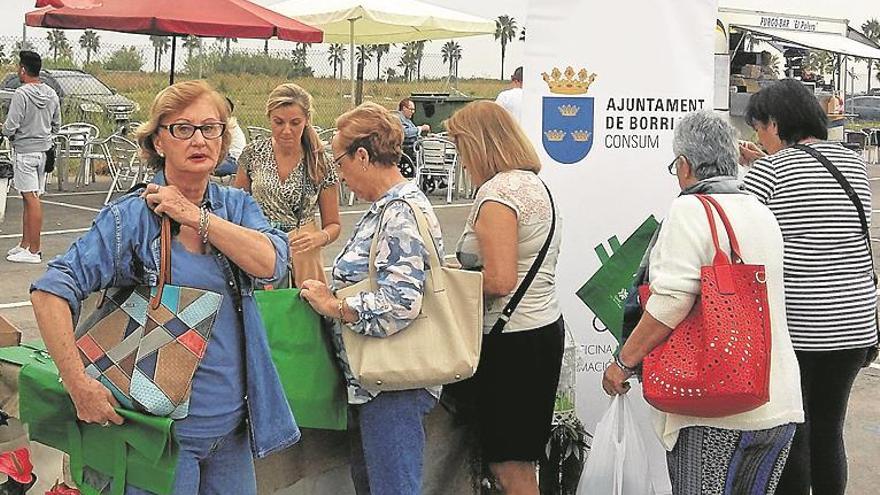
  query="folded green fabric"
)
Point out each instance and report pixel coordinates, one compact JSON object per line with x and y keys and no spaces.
{"x":606,"y":291}
{"x":305,"y":360}
{"x":141,"y":452}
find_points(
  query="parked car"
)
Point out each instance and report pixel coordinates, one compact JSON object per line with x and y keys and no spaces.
{"x":866,"y":107}
{"x":80,"y":93}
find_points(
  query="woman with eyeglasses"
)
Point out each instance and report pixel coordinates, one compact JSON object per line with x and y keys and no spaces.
{"x":387,"y":428}
{"x":291,"y":178}
{"x":222,"y":243}
{"x":739,"y":453}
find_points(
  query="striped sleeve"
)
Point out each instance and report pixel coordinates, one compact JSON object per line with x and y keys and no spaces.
{"x":760,"y":180}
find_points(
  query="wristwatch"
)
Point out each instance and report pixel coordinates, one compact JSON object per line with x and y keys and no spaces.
{"x":626,"y":369}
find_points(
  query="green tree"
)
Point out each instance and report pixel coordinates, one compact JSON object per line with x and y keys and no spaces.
{"x":58,"y":43}
{"x":505,"y":32}
{"x":127,"y":58}
{"x":419,"y":55}
{"x":451,"y":52}
{"x":820,"y":62}
{"x":228,"y":44}
{"x":4,"y":60}
{"x":161,"y":45}
{"x":191,"y":43}
{"x":26,"y":45}
{"x":336,"y":56}
{"x":300,"y":54}
{"x":90,"y":42}
{"x":409,"y":61}
{"x":871,"y":29}
{"x":380,"y":50}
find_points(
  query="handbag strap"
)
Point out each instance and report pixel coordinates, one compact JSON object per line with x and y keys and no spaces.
{"x":850,"y":193}
{"x":514,"y":301}
{"x":164,"y":261}
{"x":434,"y":262}
{"x":720,"y":257}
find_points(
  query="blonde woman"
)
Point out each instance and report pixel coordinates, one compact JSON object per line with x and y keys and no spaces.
{"x":508,"y":225}
{"x":291,"y":178}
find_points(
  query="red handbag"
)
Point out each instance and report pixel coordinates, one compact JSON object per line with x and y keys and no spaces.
{"x":716,"y":362}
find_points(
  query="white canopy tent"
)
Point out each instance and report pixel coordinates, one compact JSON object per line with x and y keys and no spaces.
{"x":382,"y":21}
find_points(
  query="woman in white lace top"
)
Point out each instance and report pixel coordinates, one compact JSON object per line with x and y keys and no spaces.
{"x":510,"y":221}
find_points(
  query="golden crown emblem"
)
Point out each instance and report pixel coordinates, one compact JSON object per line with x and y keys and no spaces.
{"x":569,"y":110}
{"x":565,"y":83}
{"x":580,"y":136}
{"x":554,"y":135}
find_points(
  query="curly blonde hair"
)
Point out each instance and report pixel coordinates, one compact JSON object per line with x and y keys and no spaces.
{"x":174,"y":99}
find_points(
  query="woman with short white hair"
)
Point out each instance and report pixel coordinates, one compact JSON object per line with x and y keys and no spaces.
{"x":738,"y":453}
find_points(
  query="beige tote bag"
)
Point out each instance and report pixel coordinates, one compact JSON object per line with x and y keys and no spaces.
{"x":442,"y":345}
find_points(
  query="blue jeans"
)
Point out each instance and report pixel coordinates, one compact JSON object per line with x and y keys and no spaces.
{"x":388,"y":442}
{"x":213,"y":466}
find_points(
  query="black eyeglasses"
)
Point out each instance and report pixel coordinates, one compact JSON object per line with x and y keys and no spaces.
{"x":673,"y":170}
{"x":187,"y":131}
{"x":339,"y":158}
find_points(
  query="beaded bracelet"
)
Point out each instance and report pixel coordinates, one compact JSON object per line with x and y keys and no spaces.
{"x":204,"y":223}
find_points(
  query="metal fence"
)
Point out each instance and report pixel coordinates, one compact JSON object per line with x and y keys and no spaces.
{"x":246,"y":75}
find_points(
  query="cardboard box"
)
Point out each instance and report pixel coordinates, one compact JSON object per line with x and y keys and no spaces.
{"x":751,"y":71}
{"x":9,"y":334}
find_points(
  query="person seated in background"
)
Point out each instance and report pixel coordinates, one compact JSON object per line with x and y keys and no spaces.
{"x":230,"y":164}
{"x":411,"y":132}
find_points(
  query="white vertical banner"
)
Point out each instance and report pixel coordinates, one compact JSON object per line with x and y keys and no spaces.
{"x":605,"y":84}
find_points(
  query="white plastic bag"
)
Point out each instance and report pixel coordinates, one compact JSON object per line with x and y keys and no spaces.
{"x":618,"y":461}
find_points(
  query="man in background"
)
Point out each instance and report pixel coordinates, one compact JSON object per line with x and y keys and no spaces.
{"x":511,"y":99}
{"x":411,"y":132}
{"x":34,"y":115}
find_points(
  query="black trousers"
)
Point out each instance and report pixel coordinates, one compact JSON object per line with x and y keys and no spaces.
{"x":818,"y":454}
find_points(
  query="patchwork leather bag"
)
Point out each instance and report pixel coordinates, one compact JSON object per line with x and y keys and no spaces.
{"x":145,"y":343}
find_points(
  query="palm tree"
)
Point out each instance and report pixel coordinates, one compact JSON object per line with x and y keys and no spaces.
{"x":191,"y":43}
{"x":364,"y":54}
{"x":872,"y":31}
{"x":380,"y":50}
{"x":451,"y":52}
{"x":522,"y":34}
{"x":409,"y":61}
{"x":58,"y":43}
{"x":89,"y":41}
{"x":505,"y":31}
{"x":300,"y":54}
{"x":419,"y":55}
{"x":161,"y":44}
{"x":266,"y":47}
{"x":336,"y":56}
{"x":227,"y":42}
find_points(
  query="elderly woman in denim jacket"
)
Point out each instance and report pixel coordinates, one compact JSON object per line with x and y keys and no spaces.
{"x":388,"y":458}
{"x":236,"y":387}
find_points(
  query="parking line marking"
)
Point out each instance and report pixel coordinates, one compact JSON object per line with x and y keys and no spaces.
{"x":49,"y":232}
{"x":14,"y":305}
{"x":66,"y":205}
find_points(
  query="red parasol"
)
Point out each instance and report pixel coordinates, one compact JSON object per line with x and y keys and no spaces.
{"x":214,"y":18}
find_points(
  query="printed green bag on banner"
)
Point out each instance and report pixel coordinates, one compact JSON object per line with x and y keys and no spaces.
{"x":606,"y":291}
{"x":141,"y":452}
{"x":305,"y":360}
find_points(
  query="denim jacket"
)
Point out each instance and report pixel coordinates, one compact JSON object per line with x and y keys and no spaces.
{"x":122,"y":249}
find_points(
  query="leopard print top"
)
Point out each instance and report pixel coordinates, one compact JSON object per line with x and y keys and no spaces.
{"x":281,"y":201}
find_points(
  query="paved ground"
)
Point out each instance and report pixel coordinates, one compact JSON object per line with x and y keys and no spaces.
{"x":68,"y":214}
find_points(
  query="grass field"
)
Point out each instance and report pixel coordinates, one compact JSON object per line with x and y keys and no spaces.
{"x":249,"y":92}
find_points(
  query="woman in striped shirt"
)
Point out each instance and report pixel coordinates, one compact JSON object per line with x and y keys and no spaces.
{"x":829,"y":289}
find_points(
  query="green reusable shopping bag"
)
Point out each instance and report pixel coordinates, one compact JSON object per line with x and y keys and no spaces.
{"x":606,"y":291}
{"x":141,"y":452}
{"x":305,"y":360}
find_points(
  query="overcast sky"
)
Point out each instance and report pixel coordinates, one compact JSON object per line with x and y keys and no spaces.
{"x":481,"y":55}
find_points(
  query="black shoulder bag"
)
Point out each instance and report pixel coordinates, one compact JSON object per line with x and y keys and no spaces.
{"x":857,"y":202}
{"x":498,"y":327}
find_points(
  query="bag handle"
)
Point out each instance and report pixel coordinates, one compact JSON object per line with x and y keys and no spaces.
{"x":434,"y":262}
{"x":850,"y":193}
{"x":720,"y":256}
{"x":164,"y":261}
{"x":514,"y":301}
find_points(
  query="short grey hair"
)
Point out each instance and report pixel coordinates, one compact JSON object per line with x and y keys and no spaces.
{"x":708,"y":142}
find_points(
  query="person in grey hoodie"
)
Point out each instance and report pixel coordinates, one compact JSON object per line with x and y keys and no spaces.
{"x":34,"y":115}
